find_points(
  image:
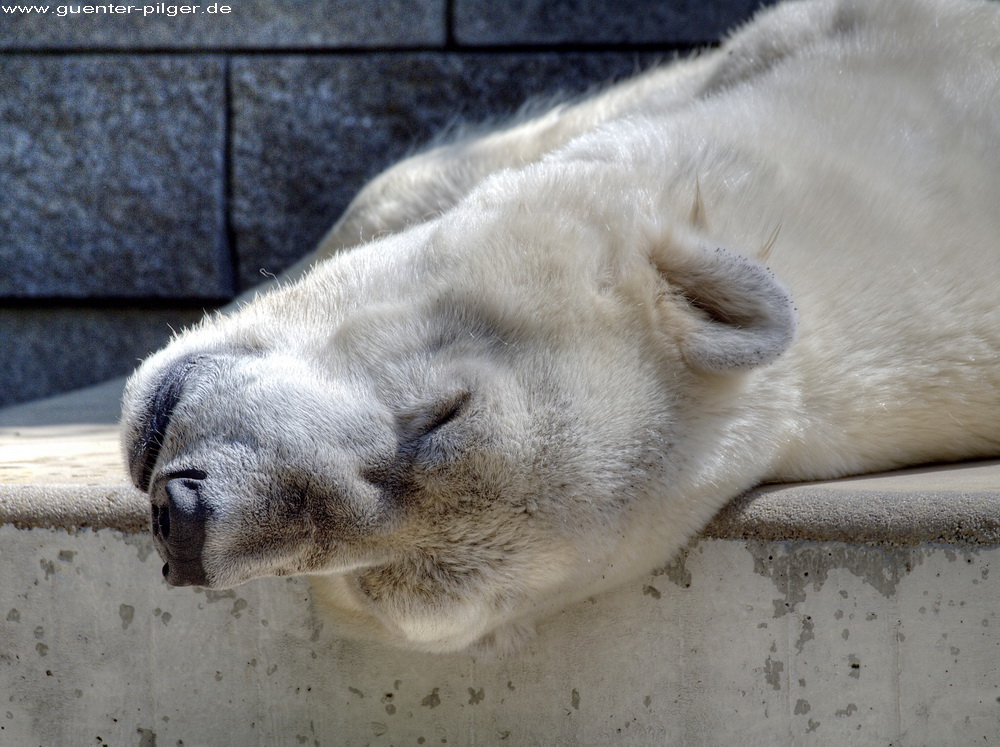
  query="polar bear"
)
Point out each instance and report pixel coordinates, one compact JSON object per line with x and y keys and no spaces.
{"x":527,"y":366}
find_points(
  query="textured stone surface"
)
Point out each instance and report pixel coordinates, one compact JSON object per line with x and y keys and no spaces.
{"x":251,"y":24}
{"x":49,"y":350}
{"x":309,"y":131}
{"x":111,"y":171}
{"x":484,"y":22}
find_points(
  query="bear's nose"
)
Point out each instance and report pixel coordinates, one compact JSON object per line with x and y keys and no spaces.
{"x":178,"y":518}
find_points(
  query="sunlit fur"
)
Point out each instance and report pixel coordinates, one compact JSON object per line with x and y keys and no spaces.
{"x":536,"y":362}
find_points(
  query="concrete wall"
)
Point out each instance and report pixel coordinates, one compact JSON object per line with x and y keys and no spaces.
{"x":737,"y":643}
{"x":153,"y":167}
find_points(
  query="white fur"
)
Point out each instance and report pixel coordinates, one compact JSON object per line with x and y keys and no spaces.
{"x":581,"y":302}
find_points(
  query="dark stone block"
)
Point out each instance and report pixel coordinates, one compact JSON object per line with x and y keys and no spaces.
{"x":48,"y":350}
{"x":111,"y":171}
{"x":671,"y":22}
{"x":309,"y":131}
{"x":251,"y":24}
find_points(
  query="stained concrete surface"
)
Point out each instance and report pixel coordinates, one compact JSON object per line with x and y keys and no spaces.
{"x":773,"y":628}
{"x":741,"y":642}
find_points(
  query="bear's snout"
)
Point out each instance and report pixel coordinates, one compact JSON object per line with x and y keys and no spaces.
{"x":179,"y":513}
{"x":146,"y":440}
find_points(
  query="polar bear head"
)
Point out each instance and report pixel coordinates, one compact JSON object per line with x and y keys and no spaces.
{"x":467,"y":422}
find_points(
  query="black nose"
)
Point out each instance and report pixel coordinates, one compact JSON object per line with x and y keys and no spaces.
{"x":178,"y":518}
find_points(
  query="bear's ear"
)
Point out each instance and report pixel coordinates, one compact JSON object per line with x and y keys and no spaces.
{"x":743,"y":317}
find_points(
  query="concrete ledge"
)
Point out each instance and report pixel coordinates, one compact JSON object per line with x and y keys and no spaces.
{"x":954,"y":504}
{"x":62,"y":469}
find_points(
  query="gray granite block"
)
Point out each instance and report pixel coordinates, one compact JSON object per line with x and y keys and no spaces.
{"x":111,"y":171}
{"x":309,"y":131}
{"x":251,"y":24}
{"x":675,"y":22}
{"x":54,"y":349}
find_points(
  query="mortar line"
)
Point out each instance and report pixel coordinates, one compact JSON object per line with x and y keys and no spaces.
{"x":449,"y":25}
{"x":228,"y":249}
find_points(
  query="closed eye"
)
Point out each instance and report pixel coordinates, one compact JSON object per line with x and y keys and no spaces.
{"x":446,"y":411}
{"x":421,"y":440}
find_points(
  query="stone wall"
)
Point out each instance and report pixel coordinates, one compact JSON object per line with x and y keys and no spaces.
{"x":153,"y":166}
